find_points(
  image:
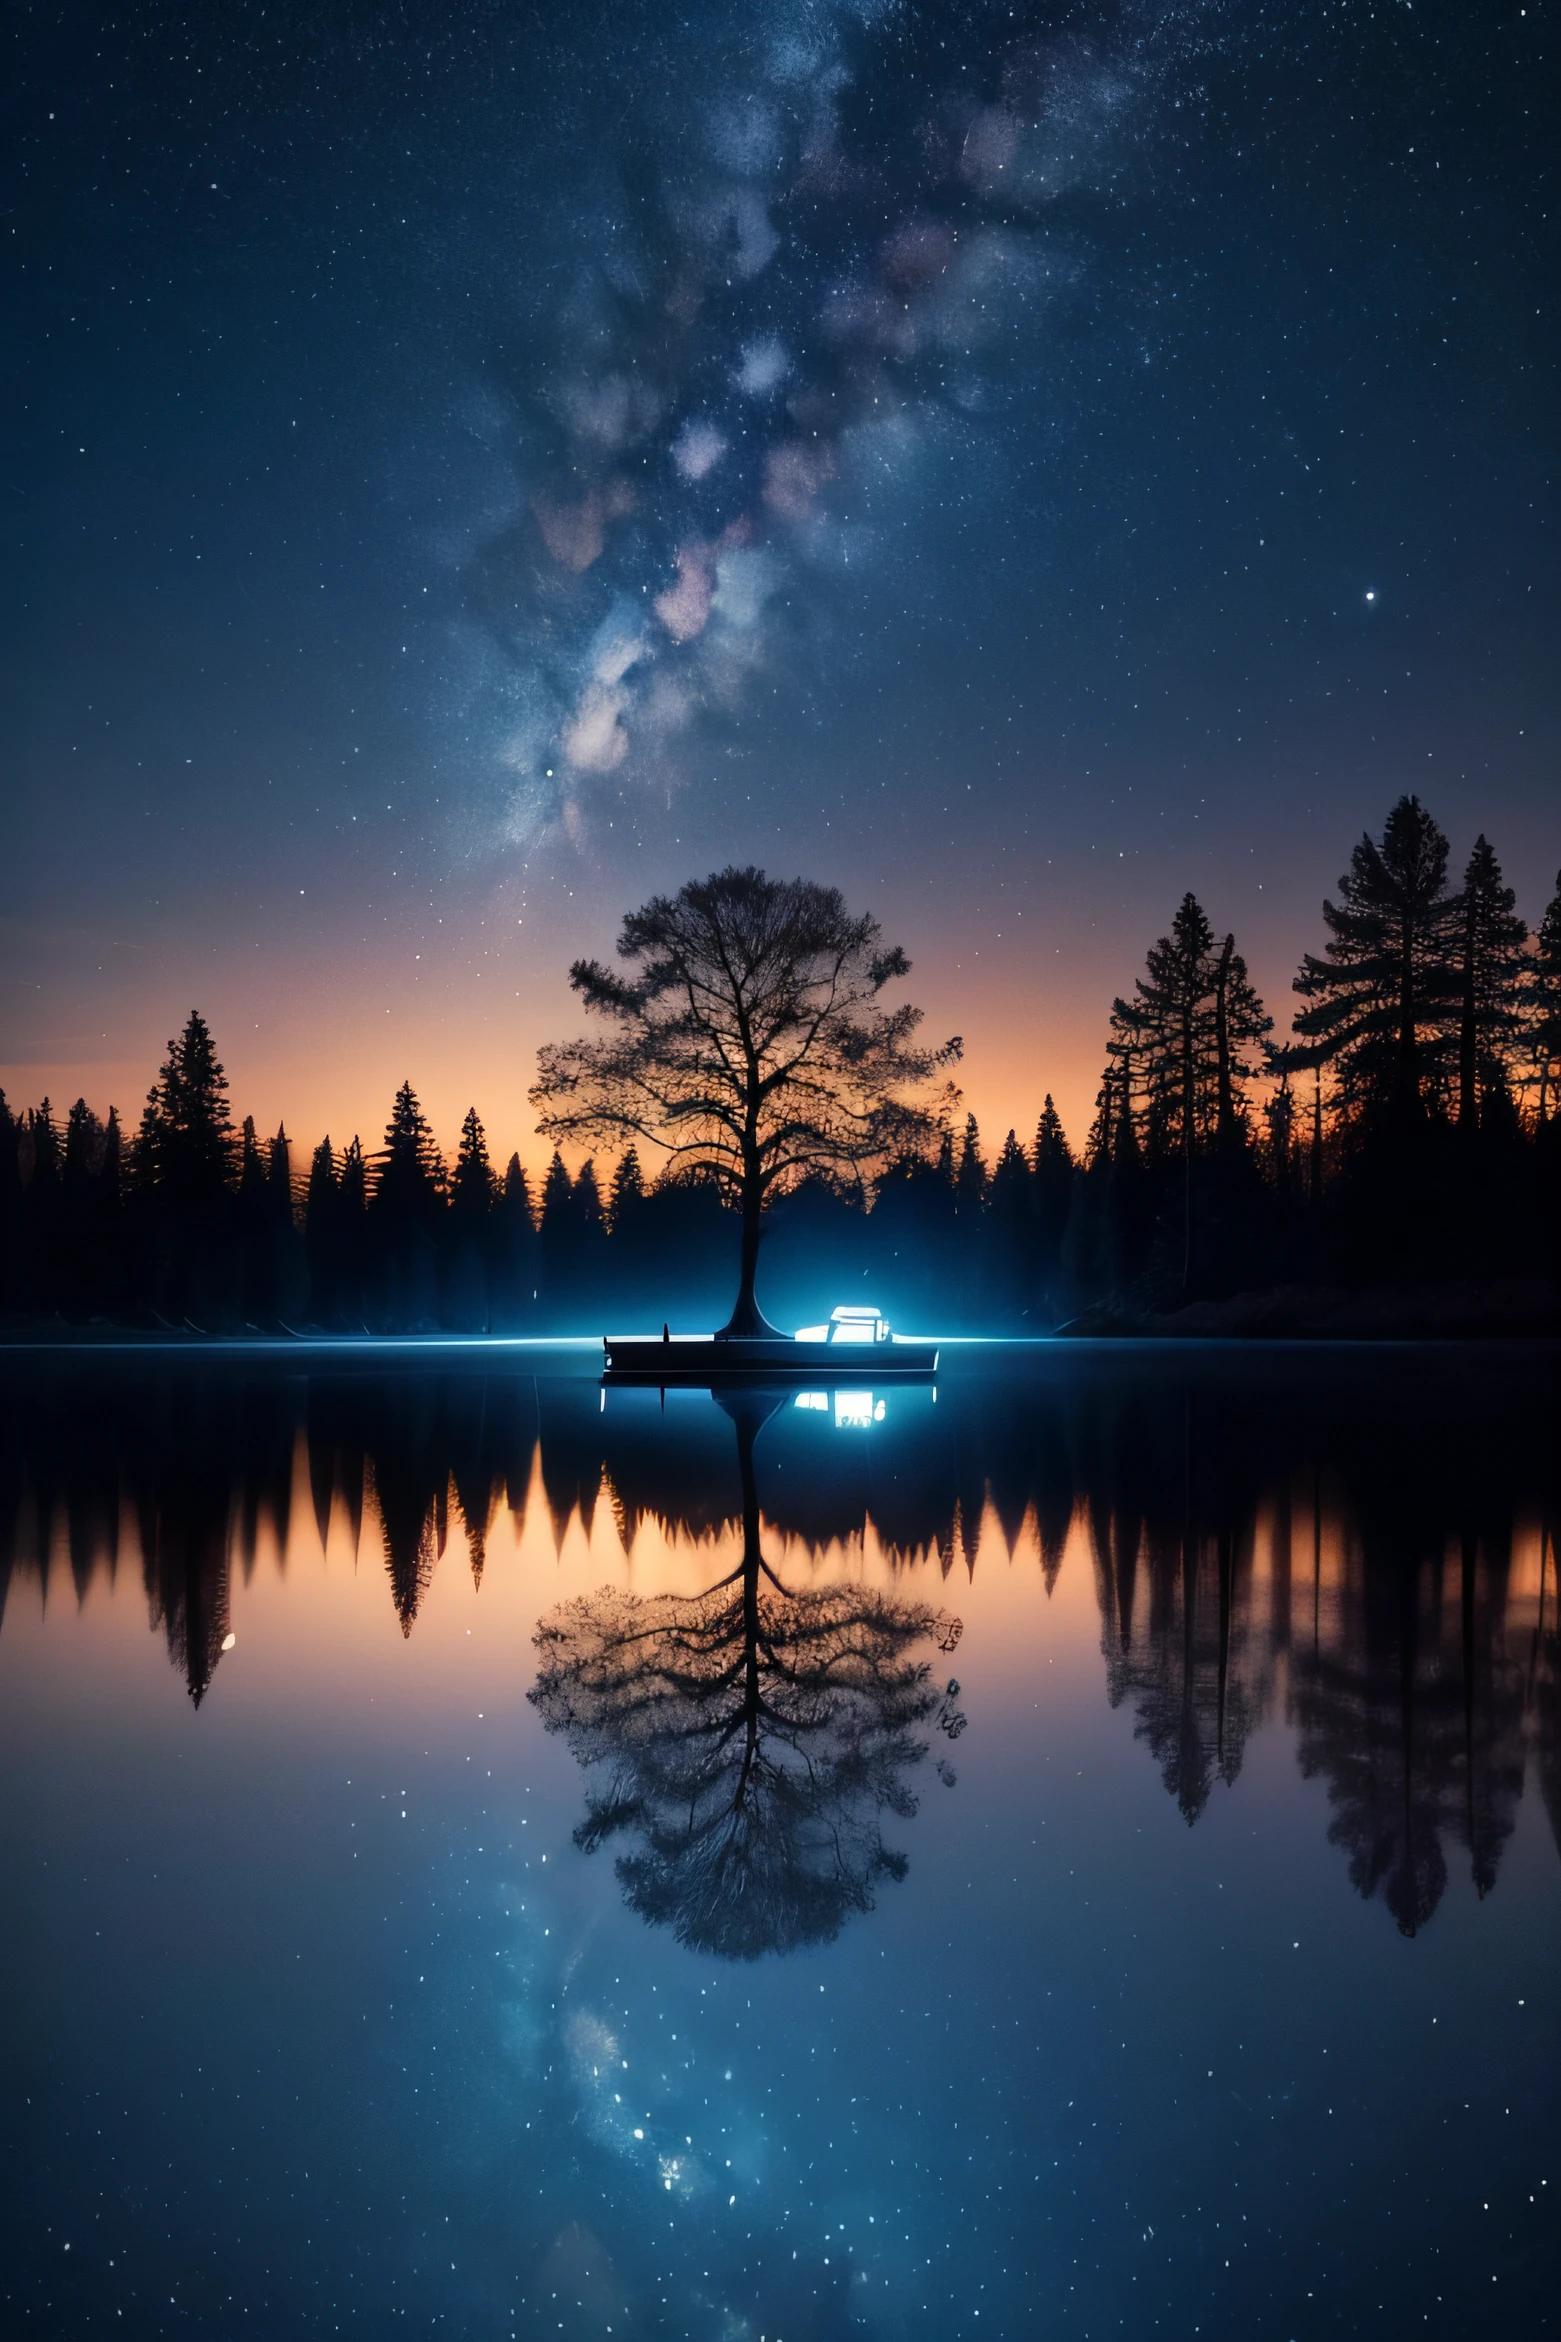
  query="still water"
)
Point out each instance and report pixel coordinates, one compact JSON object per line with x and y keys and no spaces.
{"x":1072,"y":1850}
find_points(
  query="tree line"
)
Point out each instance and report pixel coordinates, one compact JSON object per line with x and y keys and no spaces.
{"x":1406,"y":1130}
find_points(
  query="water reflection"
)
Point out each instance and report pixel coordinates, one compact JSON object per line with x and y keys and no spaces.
{"x":748,"y":1739}
{"x":1365,"y":1553}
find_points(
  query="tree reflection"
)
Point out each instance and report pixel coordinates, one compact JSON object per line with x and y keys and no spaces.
{"x":748,"y":1740}
{"x":1411,"y":1708}
{"x":1369,"y":1558}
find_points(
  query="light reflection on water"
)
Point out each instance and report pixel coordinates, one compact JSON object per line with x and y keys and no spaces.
{"x":556,"y":1888}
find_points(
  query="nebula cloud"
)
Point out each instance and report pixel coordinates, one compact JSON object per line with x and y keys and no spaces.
{"x":781,"y":292}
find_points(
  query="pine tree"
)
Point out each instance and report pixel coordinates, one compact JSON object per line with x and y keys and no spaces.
{"x":1097,"y":1147}
{"x":352,"y":1212}
{"x":517,"y":1190}
{"x":557,"y":1190}
{"x":514,"y":1250}
{"x":1381,"y":995}
{"x":1011,"y":1176}
{"x":1053,"y":1172}
{"x":251,"y":1169}
{"x":971,"y":1179}
{"x":353,"y":1186}
{"x":588,"y":1198}
{"x":1186,"y":1034}
{"x":44,"y":1148}
{"x":1052,"y":1158}
{"x":84,"y":1136}
{"x":111,"y":1173}
{"x":1165,"y":1030}
{"x":188,"y":1120}
{"x":1240,"y":1021}
{"x":626,"y":1196}
{"x":1279,"y":1115}
{"x":1544,"y":1000}
{"x":146,"y":1150}
{"x":279,"y":1173}
{"x":322,"y":1231}
{"x":408,"y":1172}
{"x":471,"y":1191}
{"x":1491,"y":988}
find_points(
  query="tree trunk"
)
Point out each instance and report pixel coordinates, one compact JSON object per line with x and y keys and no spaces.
{"x":1187,"y":1119}
{"x":1227,"y":1099}
{"x":1468,"y":1095}
{"x":1408,"y":1050}
{"x":1317,"y":1134}
{"x":747,"y":1322}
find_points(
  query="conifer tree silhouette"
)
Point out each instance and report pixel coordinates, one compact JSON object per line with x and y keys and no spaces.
{"x":408,"y":1173}
{"x":254,"y":1227}
{"x":187,"y":1119}
{"x":1543,"y":1003}
{"x":970,"y":1179}
{"x":352,"y":1210}
{"x":471,"y":1188}
{"x":322,"y":1233}
{"x":468,"y":1300}
{"x":1054,"y":1174}
{"x":627,"y":1193}
{"x":514,"y":1239}
{"x":405,"y":1211}
{"x":1490,"y":989}
{"x":1381,"y":994}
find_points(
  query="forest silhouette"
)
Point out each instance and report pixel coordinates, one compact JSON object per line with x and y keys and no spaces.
{"x":1382,"y":1623}
{"x":1403,"y":1137}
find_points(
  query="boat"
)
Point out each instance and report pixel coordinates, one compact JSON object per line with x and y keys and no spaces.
{"x":854,"y":1344}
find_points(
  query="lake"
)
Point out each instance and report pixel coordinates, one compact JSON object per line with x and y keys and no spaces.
{"x":1073,"y":1847}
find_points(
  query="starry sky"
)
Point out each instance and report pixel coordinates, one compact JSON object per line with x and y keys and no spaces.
{"x":468,"y":466}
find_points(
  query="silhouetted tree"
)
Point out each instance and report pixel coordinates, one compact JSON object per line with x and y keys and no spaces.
{"x":322,"y":1233}
{"x":970,"y":1179}
{"x":749,"y":1044}
{"x":627,"y":1193}
{"x":1490,"y":990}
{"x":1544,"y":1000}
{"x":1054,"y":1173}
{"x":1279,"y":1116}
{"x":405,"y":1211}
{"x":471,"y":1203}
{"x":1381,"y":994}
{"x":1184,"y":1040}
{"x":1186,"y":1032}
{"x":513,"y":1239}
{"x":187,"y":1123}
{"x":751,"y":1737}
{"x":1010,"y":1290}
{"x":287,"y":1268}
{"x":471,"y":1188}
{"x":352,"y":1220}
{"x":558,"y":1233}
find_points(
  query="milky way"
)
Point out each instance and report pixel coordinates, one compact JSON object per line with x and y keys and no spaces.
{"x":809,"y":278}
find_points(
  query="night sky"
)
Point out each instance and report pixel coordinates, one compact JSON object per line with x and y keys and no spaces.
{"x":468,"y":466}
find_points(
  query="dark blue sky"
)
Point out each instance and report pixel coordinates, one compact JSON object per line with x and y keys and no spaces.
{"x":466,"y":466}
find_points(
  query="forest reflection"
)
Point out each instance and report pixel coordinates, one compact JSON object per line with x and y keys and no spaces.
{"x":1366,"y":1553}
